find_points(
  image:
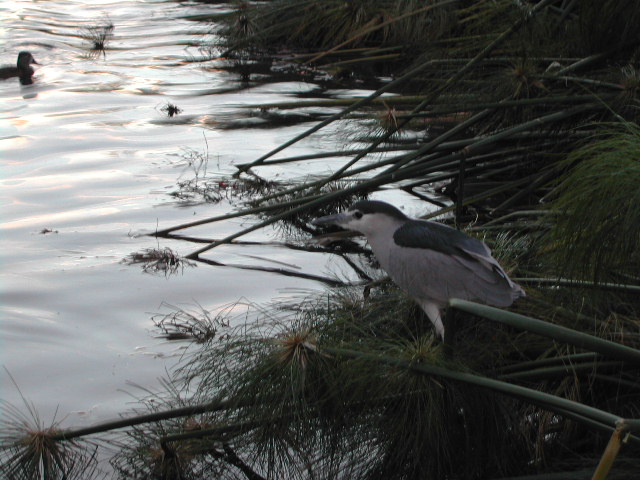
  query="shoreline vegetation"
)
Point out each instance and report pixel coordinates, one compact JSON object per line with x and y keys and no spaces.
{"x":516,"y":121}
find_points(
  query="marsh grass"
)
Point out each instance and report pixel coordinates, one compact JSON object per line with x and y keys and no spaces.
{"x":197,"y":184}
{"x":338,"y":383}
{"x":293,"y":226}
{"x":28,"y":451}
{"x":382,"y":420}
{"x":158,"y":261}
{"x":180,"y":324}
{"x":214,"y":189}
{"x":171,"y":109}
{"x":99,"y":35}
{"x":144,"y":451}
{"x":596,"y":207}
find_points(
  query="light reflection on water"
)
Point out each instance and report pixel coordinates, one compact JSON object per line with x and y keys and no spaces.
{"x":87,"y":153}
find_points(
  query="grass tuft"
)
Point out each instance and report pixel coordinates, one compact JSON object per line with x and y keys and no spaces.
{"x":158,"y":260}
{"x":180,"y":324}
{"x":99,"y":35}
{"x":597,"y":209}
{"x":171,"y":110}
{"x":28,"y":451}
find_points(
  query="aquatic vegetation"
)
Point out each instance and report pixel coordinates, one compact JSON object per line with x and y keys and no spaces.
{"x":365,"y":389}
{"x":158,"y":260}
{"x":29,"y":451}
{"x":180,"y":324}
{"x":171,"y":110}
{"x":99,"y":35}
{"x":596,"y":207}
{"x":215,"y":188}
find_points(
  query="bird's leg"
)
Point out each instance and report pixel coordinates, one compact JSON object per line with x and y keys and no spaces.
{"x":433,"y":312}
{"x":450,"y":320}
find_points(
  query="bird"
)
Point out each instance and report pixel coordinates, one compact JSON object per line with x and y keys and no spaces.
{"x":22,"y":70}
{"x":430,"y":261}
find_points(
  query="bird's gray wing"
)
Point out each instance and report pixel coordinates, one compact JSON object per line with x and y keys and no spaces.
{"x":490,"y":264}
{"x":437,"y":277}
{"x":431,"y":275}
{"x":439,"y":262}
{"x":438,"y":237}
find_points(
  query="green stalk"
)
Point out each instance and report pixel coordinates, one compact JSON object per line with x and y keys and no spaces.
{"x":586,"y":81}
{"x":616,"y":381}
{"x":568,"y":282}
{"x":536,"y":122}
{"x":516,"y":214}
{"x":548,"y":401}
{"x":360,"y":103}
{"x":592,"y":59}
{"x":325,"y":102}
{"x":481,"y":196}
{"x":413,"y":72}
{"x":213,"y":406}
{"x":337,"y":153}
{"x":545,"y":362}
{"x":332,"y":282}
{"x":546,"y":176}
{"x":216,"y":431}
{"x":390,"y":175}
{"x":555,"y":332}
{"x":562,"y":371}
{"x":228,"y":216}
{"x":444,"y":146}
{"x":348,"y":51}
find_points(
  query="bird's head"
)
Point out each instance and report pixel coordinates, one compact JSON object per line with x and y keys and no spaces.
{"x":369,"y":217}
{"x":25,"y":59}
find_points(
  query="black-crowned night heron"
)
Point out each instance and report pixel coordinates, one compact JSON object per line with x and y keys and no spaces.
{"x":22,"y":69}
{"x":430,"y":261}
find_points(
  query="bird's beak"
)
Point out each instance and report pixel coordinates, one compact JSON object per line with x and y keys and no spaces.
{"x":337,"y":219}
{"x":33,"y":60}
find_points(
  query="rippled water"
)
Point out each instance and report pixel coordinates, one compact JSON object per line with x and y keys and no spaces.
{"x":89,"y":160}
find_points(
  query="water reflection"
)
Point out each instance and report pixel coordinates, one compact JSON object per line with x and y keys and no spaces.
{"x":91,"y":159}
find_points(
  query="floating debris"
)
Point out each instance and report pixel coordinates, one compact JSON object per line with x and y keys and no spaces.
{"x":171,"y":110}
{"x":158,"y":260}
{"x":180,"y":324}
{"x":99,"y":35}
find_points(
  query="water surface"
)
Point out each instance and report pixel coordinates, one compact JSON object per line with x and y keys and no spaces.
{"x":89,"y":160}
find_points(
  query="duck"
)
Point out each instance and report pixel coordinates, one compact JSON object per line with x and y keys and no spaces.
{"x":22,"y":70}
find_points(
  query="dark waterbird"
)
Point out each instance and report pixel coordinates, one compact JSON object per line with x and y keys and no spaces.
{"x":22,"y":70}
{"x":432,"y":262}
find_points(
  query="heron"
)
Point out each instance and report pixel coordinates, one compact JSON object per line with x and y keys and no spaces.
{"x":430,"y":261}
{"x":22,"y":70}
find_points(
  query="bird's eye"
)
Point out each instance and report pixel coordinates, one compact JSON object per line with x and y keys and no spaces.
{"x":358,"y":215}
